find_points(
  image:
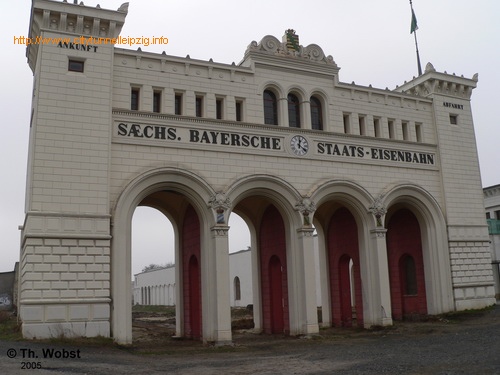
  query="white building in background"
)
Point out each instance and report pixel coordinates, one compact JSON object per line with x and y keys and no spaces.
{"x":492,"y":206}
{"x":157,"y":286}
{"x":240,"y":278}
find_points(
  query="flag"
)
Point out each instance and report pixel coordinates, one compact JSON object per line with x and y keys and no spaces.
{"x":414,"y":26}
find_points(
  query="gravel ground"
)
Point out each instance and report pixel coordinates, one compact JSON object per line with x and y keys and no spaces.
{"x":466,"y":343}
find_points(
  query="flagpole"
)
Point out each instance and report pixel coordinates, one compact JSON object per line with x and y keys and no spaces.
{"x":414,"y":31}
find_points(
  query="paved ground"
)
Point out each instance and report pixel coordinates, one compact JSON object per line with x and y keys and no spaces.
{"x":463,"y":344}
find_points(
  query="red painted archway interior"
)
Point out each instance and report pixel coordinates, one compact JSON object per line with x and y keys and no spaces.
{"x":274,"y":286}
{"x":342,"y":249}
{"x":406,"y":265}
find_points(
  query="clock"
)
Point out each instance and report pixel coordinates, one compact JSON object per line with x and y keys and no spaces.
{"x":299,"y":145}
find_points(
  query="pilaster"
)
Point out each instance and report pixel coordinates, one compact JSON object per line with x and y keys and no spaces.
{"x":384,"y":318}
{"x":218,"y":288}
{"x":306,"y":293}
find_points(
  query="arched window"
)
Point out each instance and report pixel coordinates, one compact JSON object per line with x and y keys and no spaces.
{"x":270,"y":108}
{"x":237,"y":289}
{"x":293,"y":111}
{"x":316,"y":114}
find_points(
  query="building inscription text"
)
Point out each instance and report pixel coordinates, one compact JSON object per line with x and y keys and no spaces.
{"x":249,"y":141}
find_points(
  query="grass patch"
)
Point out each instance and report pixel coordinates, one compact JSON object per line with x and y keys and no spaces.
{"x":459,"y":316}
{"x":10,"y":329}
{"x":159,"y":309}
{"x":100,"y":341}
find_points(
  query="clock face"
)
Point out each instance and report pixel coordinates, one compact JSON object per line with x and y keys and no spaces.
{"x":299,"y":145}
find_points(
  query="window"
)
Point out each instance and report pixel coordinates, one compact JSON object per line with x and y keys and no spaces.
{"x":239,"y":110}
{"x":270,"y":108}
{"x":218,"y":108}
{"x":454,"y":119}
{"x":404,"y":126}
{"x":178,"y":104}
{"x":293,"y":111}
{"x":157,"y":101}
{"x":75,"y":66}
{"x":134,"y":99}
{"x":410,"y":276}
{"x":497,"y":215}
{"x":376,"y":127}
{"x":488,"y":215}
{"x":237,"y":289}
{"x":199,"y":106}
{"x":316,"y":114}
{"x":390,"y":124}
{"x":418,"y":132}
{"x":347,"y":123}
{"x":362,"y":125}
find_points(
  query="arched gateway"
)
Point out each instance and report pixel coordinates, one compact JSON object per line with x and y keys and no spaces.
{"x":358,"y":176}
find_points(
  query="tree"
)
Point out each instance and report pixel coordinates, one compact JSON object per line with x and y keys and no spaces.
{"x":154,"y":266}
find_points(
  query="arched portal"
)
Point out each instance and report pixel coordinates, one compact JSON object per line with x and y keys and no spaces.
{"x":343,"y":248}
{"x":182,"y":197}
{"x":274,"y":284}
{"x":406,"y":265}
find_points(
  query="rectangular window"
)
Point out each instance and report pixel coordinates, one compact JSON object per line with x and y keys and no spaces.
{"x":390,"y":125}
{"x":157,"y":101}
{"x":362,"y":127}
{"x":178,"y":104}
{"x":418,"y":132}
{"x":218,"y":108}
{"x":453,"y":119}
{"x":488,"y":215}
{"x":75,"y":66}
{"x":239,"y":110}
{"x":376,"y":127}
{"x":497,"y":215}
{"x":404,"y":126}
{"x":347,"y":123}
{"x":199,"y":106}
{"x":134,"y":99}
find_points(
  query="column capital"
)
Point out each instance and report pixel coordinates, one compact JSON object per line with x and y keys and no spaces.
{"x":220,"y":230}
{"x":379,"y":232}
{"x":306,"y":232}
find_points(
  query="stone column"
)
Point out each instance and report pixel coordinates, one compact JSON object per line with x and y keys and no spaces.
{"x":378,"y":239}
{"x":306,"y":271}
{"x":219,"y":286}
{"x":218,"y":328}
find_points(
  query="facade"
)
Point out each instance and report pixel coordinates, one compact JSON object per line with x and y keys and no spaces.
{"x":388,"y":179}
{"x":492,"y":206}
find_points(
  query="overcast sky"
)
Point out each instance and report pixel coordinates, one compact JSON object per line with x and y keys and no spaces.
{"x":369,"y":39}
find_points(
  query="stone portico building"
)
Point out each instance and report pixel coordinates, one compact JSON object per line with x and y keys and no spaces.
{"x":389,"y":179}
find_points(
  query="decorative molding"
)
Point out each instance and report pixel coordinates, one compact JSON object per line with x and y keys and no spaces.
{"x":378,"y":209}
{"x":306,"y":206}
{"x":272,"y":46}
{"x":220,"y":203}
